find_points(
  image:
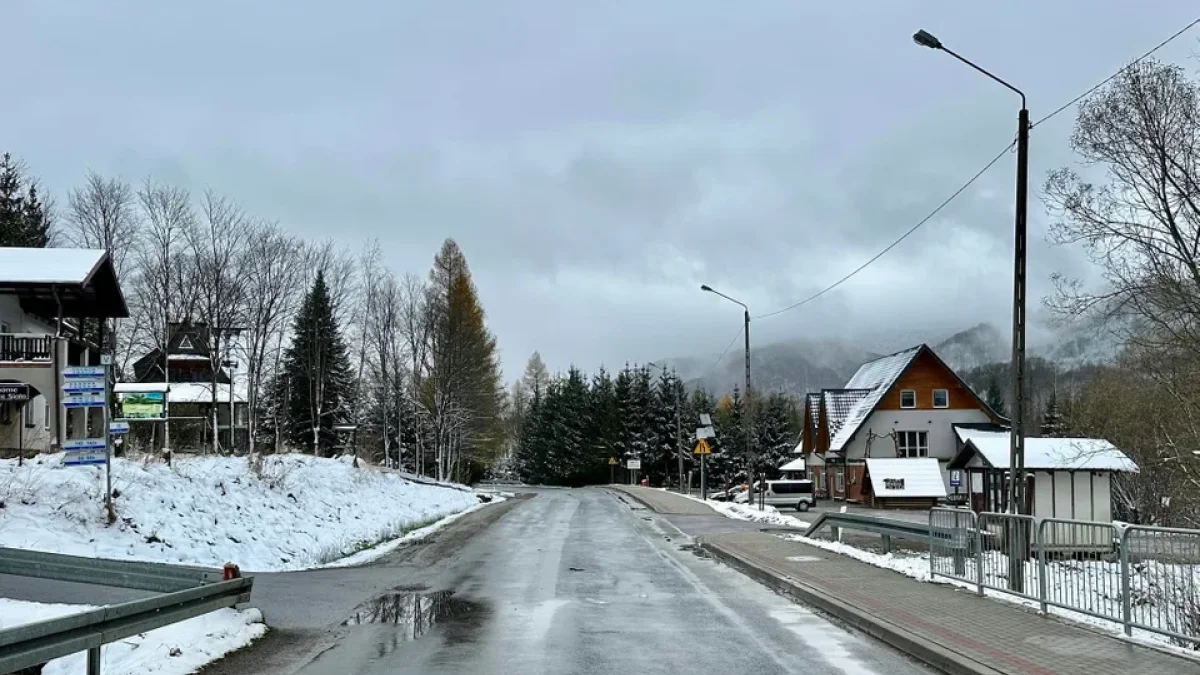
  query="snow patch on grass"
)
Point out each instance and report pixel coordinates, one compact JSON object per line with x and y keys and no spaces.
{"x":281,"y":512}
{"x":176,"y":649}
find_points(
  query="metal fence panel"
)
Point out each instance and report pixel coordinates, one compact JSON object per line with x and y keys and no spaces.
{"x":1079,"y":567}
{"x":1007,"y":559}
{"x":1162,"y":581}
{"x":954,"y":544}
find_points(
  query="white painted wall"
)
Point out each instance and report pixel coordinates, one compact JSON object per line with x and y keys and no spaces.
{"x":943,"y":444}
{"x":1091,"y":500}
{"x":17,"y":320}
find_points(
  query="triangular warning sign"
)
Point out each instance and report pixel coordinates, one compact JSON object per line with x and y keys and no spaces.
{"x":702,"y":448}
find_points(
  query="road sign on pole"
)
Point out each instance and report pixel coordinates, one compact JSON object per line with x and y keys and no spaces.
{"x":118,"y":427}
{"x":633,"y":464}
{"x":83,"y":372}
{"x":702,"y":448}
{"x":82,"y":386}
{"x":956,"y":478}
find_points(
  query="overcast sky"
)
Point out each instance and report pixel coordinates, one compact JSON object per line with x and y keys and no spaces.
{"x":597,"y":161}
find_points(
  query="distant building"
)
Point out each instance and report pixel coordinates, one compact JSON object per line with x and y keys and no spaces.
{"x":191,"y":368}
{"x":903,"y":405}
{"x":45,"y":294}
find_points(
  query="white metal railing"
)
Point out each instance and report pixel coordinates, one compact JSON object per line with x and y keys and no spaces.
{"x":1137,"y":576}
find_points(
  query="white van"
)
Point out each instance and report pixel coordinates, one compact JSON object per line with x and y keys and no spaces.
{"x":797,"y":494}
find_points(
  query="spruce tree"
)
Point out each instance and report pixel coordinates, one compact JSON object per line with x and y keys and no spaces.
{"x":315,"y":382}
{"x":24,"y":219}
{"x":994,"y":396}
{"x":1053,"y":424}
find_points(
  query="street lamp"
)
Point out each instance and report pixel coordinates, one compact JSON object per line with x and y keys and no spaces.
{"x":1016,"y":457}
{"x":749,"y":421}
{"x":678,"y":424}
{"x":1016,"y":490}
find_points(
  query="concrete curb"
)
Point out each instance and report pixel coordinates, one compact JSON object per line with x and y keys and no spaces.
{"x":617,"y":489}
{"x":930,"y":653}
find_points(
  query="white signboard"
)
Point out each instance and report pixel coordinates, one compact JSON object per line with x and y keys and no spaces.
{"x":633,"y":464}
{"x":118,"y":427}
{"x":85,"y":458}
{"x":82,"y":386}
{"x":83,"y":444}
{"x":706,"y":419}
{"x":93,"y":400}
{"x":705,"y":432}
{"x":83,"y":372}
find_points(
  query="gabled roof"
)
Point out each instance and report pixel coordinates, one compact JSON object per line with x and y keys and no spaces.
{"x":81,"y":280}
{"x":839,"y":405}
{"x":876,"y":377}
{"x":798,"y":464}
{"x":880,"y":376}
{"x":1084,"y":454}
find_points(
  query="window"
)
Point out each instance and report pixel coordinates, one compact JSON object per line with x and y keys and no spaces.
{"x":941,"y":398}
{"x":27,"y":416}
{"x":908,"y":398}
{"x":912,"y":443}
{"x":839,"y":478}
{"x":186,"y":344}
{"x":46,"y":419}
{"x":788,"y":488}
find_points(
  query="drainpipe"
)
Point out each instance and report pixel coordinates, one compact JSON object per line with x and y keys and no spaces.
{"x":60,"y":418}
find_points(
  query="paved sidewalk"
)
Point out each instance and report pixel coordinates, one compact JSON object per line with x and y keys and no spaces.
{"x":949,"y":628}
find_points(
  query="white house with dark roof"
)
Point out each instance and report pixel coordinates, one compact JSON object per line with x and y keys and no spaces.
{"x":42,"y":293}
{"x":903,"y":405}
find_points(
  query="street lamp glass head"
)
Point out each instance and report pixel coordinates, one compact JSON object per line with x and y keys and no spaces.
{"x":926,"y":40}
{"x":705,"y":287}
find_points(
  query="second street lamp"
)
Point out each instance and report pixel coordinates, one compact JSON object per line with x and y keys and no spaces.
{"x":1016,"y":459}
{"x":749,"y":421}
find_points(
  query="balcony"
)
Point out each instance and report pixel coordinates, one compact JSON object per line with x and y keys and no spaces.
{"x":26,"y":347}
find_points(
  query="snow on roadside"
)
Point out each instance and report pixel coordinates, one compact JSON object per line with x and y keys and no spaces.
{"x":290,"y":512}
{"x":199,"y":640}
{"x":769,"y":515}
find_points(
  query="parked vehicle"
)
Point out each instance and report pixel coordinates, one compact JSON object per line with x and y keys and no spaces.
{"x":797,"y":494}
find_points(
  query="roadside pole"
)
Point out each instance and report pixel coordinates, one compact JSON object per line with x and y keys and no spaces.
{"x":703,"y":477}
{"x":106,"y":364}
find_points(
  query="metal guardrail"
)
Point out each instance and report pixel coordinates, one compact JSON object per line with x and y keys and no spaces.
{"x":186,"y":592}
{"x":144,"y":576}
{"x":886,"y":528}
{"x":1137,"y":576}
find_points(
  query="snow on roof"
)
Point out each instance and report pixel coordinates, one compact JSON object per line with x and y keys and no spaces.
{"x":1094,"y":454}
{"x":799,"y":449}
{"x":185,"y":392}
{"x":876,"y":377}
{"x":906,"y":477}
{"x":798,"y":464}
{"x":48,"y":265}
{"x":187,"y":357}
{"x":839,"y":403}
{"x":814,"y":409}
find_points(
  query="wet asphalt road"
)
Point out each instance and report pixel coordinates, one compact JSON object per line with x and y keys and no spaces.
{"x":582,"y":581}
{"x":569,"y":581}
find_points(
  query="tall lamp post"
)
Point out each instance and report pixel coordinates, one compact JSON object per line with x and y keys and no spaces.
{"x":749,"y":421}
{"x":1016,"y":455}
{"x":678,"y":423}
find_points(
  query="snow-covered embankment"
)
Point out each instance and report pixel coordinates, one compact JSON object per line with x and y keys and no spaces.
{"x":286,"y":512}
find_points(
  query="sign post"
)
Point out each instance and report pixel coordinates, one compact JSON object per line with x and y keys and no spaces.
{"x":634,"y":465}
{"x":87,"y":387}
{"x":704,"y":450}
{"x":612,"y":470}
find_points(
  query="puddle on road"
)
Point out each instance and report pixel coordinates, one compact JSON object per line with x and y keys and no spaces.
{"x":415,"y":613}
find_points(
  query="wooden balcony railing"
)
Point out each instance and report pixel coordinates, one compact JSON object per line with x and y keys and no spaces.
{"x":25,"y":347}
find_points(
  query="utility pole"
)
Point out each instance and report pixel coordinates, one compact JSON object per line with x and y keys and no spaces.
{"x":748,"y":421}
{"x":678,"y":431}
{"x":1017,"y":531}
{"x":1017,"y":502}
